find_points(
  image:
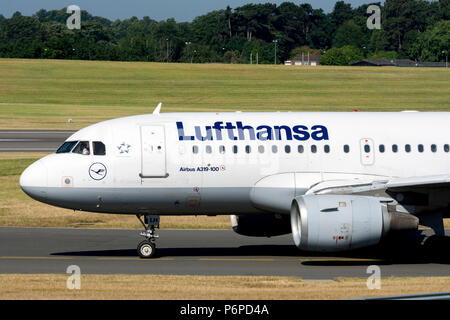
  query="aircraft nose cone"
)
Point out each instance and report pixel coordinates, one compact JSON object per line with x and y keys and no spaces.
{"x":33,"y":178}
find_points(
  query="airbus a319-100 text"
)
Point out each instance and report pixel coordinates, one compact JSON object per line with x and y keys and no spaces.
{"x":336,"y":181}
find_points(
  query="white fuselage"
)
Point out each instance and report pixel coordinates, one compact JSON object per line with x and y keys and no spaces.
{"x":212,"y":163}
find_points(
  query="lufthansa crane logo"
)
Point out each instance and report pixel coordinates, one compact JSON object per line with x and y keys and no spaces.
{"x":97,"y":171}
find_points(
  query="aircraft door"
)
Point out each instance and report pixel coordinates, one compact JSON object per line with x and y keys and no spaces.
{"x":367,"y":151}
{"x":153,"y":152}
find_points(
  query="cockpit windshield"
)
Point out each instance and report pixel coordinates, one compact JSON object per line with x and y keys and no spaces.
{"x":82,"y":148}
{"x":66,"y":147}
{"x":99,"y":148}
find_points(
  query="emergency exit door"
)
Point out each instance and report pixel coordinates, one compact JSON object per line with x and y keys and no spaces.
{"x":153,"y":151}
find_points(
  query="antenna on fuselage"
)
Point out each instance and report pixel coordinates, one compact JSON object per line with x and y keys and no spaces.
{"x":158,"y":108}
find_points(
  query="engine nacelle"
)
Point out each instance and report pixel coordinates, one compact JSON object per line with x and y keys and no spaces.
{"x":343,"y":222}
{"x":261,"y":225}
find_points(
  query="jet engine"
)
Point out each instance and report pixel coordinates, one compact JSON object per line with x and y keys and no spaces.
{"x":261,"y":225}
{"x":343,"y":222}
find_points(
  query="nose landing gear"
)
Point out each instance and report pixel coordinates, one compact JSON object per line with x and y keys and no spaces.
{"x":147,"y":248}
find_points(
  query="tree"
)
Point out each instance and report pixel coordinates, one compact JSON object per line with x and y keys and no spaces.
{"x":228,"y":16}
{"x":444,"y":9}
{"x":230,"y":35}
{"x":211,"y":29}
{"x":256,"y":21}
{"x":264,"y":50}
{"x":433,"y":45}
{"x":303,"y":49}
{"x":231,"y":56}
{"x":289,"y":23}
{"x":349,"y":34}
{"x":401,"y":16}
{"x":341,"y":13}
{"x":321,"y":31}
{"x":383,"y":55}
{"x":341,"y":56}
{"x":199,"y":53}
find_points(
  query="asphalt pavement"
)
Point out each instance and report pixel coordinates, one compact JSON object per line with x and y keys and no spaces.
{"x":32,"y":140}
{"x":201,"y":252}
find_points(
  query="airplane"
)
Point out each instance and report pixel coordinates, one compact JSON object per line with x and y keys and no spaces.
{"x":337,"y":181}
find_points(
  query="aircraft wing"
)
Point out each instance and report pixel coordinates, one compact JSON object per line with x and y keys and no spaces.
{"x":436,"y":186}
{"x":275,"y":193}
{"x":427,"y":182}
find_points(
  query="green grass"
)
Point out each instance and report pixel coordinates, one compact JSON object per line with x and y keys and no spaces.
{"x":38,"y":94}
{"x":14,"y":167}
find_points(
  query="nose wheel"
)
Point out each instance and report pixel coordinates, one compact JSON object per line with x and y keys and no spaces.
{"x":147,"y":248}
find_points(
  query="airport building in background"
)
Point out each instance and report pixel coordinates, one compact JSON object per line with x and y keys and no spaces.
{"x":304,"y":59}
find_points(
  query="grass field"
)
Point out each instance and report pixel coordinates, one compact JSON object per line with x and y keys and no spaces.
{"x":41,"y":286}
{"x":44,"y":94}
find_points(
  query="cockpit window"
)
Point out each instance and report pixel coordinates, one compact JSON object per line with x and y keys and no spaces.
{"x":66,"y":147}
{"x":99,"y":148}
{"x":82,"y":148}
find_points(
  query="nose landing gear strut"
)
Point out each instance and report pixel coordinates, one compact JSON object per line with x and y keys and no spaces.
{"x":147,"y":248}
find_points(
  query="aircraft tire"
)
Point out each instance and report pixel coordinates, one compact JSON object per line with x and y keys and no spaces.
{"x":146,"y":249}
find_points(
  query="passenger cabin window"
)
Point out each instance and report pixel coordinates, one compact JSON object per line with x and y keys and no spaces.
{"x":408,"y":148}
{"x":346,"y":148}
{"x":208,"y":149}
{"x":194,"y":149}
{"x":66,"y":147}
{"x":381,"y":148}
{"x":433,"y":148}
{"x":446,"y":148}
{"x":301,"y":149}
{"x":261,"y":149}
{"x":366,"y":148}
{"x":420,"y":148}
{"x":222,"y":149}
{"x":326,"y":148}
{"x":287,"y":149}
{"x":248,"y":149}
{"x":99,"y":148}
{"x":274,"y":149}
{"x":394,"y":148}
{"x":235,"y":149}
{"x":313,"y":148}
{"x":82,"y":148}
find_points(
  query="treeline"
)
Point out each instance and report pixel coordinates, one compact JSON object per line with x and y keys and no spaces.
{"x":414,"y":29}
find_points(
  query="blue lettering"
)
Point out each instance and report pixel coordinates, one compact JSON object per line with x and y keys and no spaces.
{"x":247,"y":132}
{"x":302,"y":133}
{"x":320,"y":134}
{"x":181,"y":135}
{"x":265,"y":133}
{"x":230,"y":128}
{"x":198,"y":133}
{"x":217,"y":126}
{"x":286,"y":129}
{"x":241,"y":129}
